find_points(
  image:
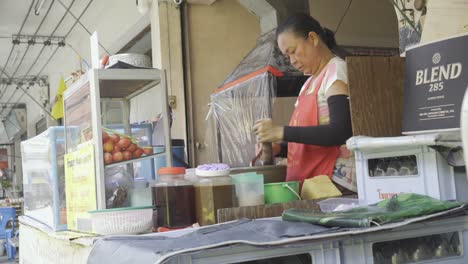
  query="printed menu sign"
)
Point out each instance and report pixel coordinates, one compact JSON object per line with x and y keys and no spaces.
{"x":435,"y":83}
{"x":80,"y":184}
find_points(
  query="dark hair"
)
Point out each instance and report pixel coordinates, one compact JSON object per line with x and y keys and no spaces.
{"x":301,"y":24}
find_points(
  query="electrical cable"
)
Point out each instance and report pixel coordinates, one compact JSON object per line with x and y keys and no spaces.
{"x":26,"y":18}
{"x":43,"y":47}
{"x":84,"y":27}
{"x":47,"y":62}
{"x":52,"y":55}
{"x":3,"y":89}
{"x":67,"y":10}
{"x":344,"y":14}
{"x":19,"y":32}
{"x":27,"y":49}
{"x":24,"y":55}
{"x":66,"y":35}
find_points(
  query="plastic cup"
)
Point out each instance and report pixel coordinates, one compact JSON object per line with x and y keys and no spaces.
{"x":249,"y":188}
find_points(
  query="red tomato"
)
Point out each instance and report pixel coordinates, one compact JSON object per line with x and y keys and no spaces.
{"x":105,"y":137}
{"x":127,"y":155}
{"x":118,"y":156}
{"x":108,"y":158}
{"x":108,"y":146}
{"x":138,"y":152}
{"x":115,"y":138}
{"x":148,"y":150}
{"x":124,"y":142}
{"x":132,"y":147}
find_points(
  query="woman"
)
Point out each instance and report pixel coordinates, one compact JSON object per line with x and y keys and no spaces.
{"x":321,"y":121}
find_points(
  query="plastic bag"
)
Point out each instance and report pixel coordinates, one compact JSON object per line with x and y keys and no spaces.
{"x":118,"y":183}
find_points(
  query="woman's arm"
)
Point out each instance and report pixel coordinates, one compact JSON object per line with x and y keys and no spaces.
{"x":334,"y":134}
{"x":337,"y":131}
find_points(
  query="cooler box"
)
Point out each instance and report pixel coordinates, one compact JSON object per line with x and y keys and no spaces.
{"x":392,"y":165}
{"x":443,"y":242}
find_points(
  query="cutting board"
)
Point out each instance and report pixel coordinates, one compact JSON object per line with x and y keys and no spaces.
{"x":267,"y":210}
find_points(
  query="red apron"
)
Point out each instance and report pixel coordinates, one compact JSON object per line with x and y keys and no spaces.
{"x":307,"y":161}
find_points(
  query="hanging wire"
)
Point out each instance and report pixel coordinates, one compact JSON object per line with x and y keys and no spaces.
{"x":403,"y":14}
{"x":22,"y":58}
{"x":84,"y":27}
{"x":342,"y":17}
{"x":52,"y":55}
{"x":27,"y":49}
{"x":19,"y":32}
{"x":3,"y":89}
{"x":43,"y":47}
{"x":66,"y":35}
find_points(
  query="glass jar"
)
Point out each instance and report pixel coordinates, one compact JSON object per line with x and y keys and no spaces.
{"x":213,"y":191}
{"x":173,"y":199}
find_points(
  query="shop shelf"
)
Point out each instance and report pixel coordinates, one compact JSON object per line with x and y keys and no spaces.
{"x":85,"y":105}
{"x":135,"y":160}
{"x":125,"y":83}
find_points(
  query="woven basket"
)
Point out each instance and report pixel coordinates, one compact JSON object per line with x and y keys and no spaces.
{"x":121,"y":221}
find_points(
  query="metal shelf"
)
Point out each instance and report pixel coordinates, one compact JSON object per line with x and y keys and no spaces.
{"x":120,"y":85}
{"x":135,"y":160}
{"x":126,"y":83}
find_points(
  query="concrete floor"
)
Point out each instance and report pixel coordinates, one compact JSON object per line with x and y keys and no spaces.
{"x":4,"y":259}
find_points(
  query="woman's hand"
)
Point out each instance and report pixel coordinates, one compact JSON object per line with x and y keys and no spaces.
{"x":266,"y":131}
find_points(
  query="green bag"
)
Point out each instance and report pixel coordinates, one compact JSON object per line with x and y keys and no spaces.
{"x":396,"y":209}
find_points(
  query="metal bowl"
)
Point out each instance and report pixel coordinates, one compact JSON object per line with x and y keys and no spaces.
{"x":138,"y":60}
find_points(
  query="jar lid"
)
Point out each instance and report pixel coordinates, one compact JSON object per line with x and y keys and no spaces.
{"x":213,"y":170}
{"x":218,"y":173}
{"x":171,"y":171}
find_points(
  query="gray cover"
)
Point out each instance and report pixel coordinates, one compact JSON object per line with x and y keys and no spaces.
{"x":270,"y":232}
{"x":149,"y":249}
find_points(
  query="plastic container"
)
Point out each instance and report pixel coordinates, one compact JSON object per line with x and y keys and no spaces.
{"x":129,"y":220}
{"x":421,"y":169}
{"x":44,"y":178}
{"x":213,"y":190}
{"x":339,"y":204}
{"x":140,"y":195}
{"x":281,"y":192}
{"x":440,"y":241}
{"x":173,"y":199}
{"x":249,"y":189}
{"x":178,"y":155}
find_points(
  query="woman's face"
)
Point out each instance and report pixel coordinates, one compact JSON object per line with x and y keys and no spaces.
{"x":302,"y":53}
